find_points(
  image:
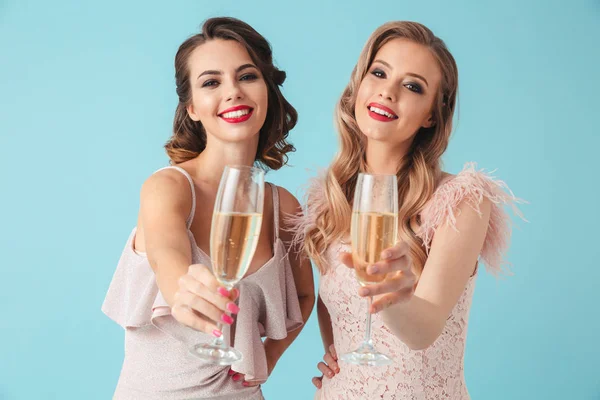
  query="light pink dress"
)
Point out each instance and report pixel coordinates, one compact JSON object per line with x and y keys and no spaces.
{"x":433,"y":373}
{"x":158,"y":364}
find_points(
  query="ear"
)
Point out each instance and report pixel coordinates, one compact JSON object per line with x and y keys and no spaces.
{"x":429,"y":122}
{"x":192,"y":113}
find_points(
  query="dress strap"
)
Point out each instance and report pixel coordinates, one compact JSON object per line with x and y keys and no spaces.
{"x":190,"y":217}
{"x":275,"y":209}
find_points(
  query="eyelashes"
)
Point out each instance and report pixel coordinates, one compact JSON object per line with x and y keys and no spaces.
{"x":250,"y":77}
{"x":412,"y":86}
{"x":209,"y":83}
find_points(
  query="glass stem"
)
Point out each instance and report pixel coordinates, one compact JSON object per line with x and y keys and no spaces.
{"x":368,"y":341}
{"x":218,"y":342}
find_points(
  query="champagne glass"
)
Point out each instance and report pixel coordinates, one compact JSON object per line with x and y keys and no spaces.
{"x":234,"y":233}
{"x":374,"y":228}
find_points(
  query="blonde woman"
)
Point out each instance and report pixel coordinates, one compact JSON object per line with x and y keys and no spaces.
{"x":395,"y":117}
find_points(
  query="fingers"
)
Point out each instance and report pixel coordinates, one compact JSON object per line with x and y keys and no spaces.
{"x":331,"y":362}
{"x":325,"y":369}
{"x":394,"y":284}
{"x":329,"y":368}
{"x":201,"y":303}
{"x":203,"y":274}
{"x":241,"y":378}
{"x":346,"y":259}
{"x":236,"y":377}
{"x":399,"y":250}
{"x":220,"y":297}
{"x":390,"y":299}
{"x":188,"y":317}
{"x":333,"y":352}
{"x":317,"y":382}
{"x":402,"y":264}
{"x":207,"y":309}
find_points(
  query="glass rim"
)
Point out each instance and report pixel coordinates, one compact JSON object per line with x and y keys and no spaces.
{"x":377,"y":175}
{"x":245,"y":167}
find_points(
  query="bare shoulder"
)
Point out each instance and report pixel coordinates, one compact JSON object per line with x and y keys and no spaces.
{"x":288,"y":203}
{"x":167,"y":187}
{"x":445,"y":177}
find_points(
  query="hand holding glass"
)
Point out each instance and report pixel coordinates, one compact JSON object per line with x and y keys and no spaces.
{"x":234,"y":233}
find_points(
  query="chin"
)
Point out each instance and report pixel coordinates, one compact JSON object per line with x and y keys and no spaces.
{"x":239,"y":135}
{"x":379,"y":135}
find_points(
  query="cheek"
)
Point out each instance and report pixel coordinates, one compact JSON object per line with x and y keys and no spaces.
{"x":364,"y":91}
{"x":416,"y":109}
{"x":204,"y":105}
{"x":260,"y":96}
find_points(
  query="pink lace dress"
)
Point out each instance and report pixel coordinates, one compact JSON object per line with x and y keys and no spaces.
{"x":438,"y":371}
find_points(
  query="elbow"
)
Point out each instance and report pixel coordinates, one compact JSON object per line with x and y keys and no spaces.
{"x":310,"y":300}
{"x":423,"y":339}
{"x":307,"y":302}
{"x":417,"y":336}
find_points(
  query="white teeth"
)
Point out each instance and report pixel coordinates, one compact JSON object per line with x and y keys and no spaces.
{"x":236,"y":114}
{"x":381,"y":112}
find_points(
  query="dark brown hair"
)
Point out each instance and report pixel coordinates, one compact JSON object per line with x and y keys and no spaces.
{"x":189,"y":137}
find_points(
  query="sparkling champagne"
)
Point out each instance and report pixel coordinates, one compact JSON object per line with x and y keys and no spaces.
{"x":234,"y":237}
{"x":371,"y":234}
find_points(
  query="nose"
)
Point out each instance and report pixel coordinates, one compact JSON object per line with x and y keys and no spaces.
{"x":388,"y":93}
{"x":234,"y":92}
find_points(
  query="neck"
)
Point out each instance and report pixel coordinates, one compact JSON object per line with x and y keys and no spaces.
{"x":209,"y":165}
{"x":382,"y":158}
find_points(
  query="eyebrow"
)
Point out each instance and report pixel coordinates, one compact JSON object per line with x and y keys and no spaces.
{"x":217,"y":72}
{"x":408,"y":73}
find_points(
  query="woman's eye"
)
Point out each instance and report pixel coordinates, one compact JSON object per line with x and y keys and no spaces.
{"x":378,"y":73}
{"x":249,"y":77}
{"x":209,"y":83}
{"x":413,"y":87}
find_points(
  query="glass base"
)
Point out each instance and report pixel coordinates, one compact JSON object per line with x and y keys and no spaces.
{"x":366,"y":355}
{"x":218,"y":355}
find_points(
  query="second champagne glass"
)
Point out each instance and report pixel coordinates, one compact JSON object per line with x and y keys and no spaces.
{"x":374,"y":228}
{"x":234,"y":233}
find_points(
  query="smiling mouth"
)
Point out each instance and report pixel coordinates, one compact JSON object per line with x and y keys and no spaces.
{"x":381,"y":113}
{"x":237,"y":115}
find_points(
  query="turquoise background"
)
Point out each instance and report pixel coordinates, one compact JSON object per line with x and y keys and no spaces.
{"x":87,"y":97}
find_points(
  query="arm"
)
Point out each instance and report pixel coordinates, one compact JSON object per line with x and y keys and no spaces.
{"x":303,"y":279}
{"x":165,"y":203}
{"x":190,"y":290}
{"x":329,"y":366}
{"x":417,"y":316}
{"x":451,"y":262}
{"x":324,"y":324}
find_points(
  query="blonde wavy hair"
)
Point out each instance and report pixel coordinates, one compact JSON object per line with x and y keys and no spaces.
{"x":420,"y":171}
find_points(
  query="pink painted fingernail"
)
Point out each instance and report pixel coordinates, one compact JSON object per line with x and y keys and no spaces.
{"x":227,"y":319}
{"x":373,"y":269}
{"x":223,"y":292}
{"x":232,"y":308}
{"x":231,"y":372}
{"x":236,"y":377}
{"x":245,"y":383}
{"x":217,"y":333}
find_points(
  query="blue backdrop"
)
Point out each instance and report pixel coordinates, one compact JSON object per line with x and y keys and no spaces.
{"x":87,"y":96}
